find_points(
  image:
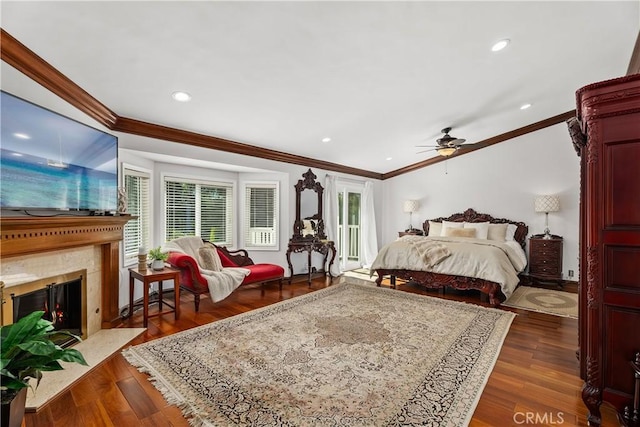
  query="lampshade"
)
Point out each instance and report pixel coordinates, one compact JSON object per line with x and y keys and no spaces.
{"x":547,"y":203}
{"x":446,"y":151}
{"x":411,"y":206}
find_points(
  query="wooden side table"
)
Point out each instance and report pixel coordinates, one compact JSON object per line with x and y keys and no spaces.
{"x":411,"y":232}
{"x":147,"y":277}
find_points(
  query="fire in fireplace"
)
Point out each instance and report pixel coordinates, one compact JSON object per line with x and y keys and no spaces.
{"x":61,"y":303}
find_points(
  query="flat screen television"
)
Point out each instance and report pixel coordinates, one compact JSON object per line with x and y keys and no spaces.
{"x":51,"y":162}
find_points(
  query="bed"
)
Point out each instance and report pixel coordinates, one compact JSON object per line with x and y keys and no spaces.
{"x":488,"y":259}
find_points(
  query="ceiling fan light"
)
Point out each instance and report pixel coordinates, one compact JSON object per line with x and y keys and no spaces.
{"x":446,"y":151}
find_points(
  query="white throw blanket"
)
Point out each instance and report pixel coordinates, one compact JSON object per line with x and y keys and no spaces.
{"x":221,"y":283}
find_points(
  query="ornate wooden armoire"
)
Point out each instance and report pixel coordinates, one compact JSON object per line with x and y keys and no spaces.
{"x":607,"y":138}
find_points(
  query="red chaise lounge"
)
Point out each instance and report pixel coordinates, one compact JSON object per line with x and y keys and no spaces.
{"x":193,"y":281}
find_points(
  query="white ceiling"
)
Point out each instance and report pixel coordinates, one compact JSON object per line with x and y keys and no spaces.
{"x":378,"y":78}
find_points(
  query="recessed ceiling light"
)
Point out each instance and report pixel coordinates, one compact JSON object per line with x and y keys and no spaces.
{"x":21,"y":135}
{"x":326,"y":139}
{"x":389,"y":158}
{"x":181,"y":96}
{"x":500,"y":45}
{"x":525,"y":106}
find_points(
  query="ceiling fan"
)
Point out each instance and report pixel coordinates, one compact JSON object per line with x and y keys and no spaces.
{"x":447,"y":145}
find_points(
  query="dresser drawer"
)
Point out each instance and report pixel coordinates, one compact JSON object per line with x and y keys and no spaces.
{"x":545,"y":269}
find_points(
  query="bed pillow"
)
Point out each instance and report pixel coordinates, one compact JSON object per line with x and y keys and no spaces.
{"x":450,"y":224}
{"x":461,"y":232}
{"x":435,"y":228}
{"x":497,"y":232}
{"x":482,"y":228}
{"x":209,"y":259}
{"x":511,"y":232}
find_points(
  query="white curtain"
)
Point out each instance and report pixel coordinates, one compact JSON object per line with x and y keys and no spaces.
{"x":331,"y":217}
{"x":369,"y":237}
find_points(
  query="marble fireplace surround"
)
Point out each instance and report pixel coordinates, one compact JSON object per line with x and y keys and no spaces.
{"x":37,"y":248}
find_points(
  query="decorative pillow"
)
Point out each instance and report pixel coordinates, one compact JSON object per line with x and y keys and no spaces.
{"x":482,"y":228}
{"x":309,"y":227}
{"x":497,"y":232}
{"x":450,"y":224}
{"x":511,"y":232}
{"x":461,"y":232}
{"x":435,"y":228}
{"x":208,"y":258}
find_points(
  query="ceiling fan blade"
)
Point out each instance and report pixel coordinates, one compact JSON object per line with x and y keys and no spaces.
{"x":426,"y":151}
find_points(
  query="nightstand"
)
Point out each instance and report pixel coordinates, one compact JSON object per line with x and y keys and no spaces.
{"x":411,"y":232}
{"x":545,"y":259}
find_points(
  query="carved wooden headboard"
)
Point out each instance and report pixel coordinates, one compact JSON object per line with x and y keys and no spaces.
{"x":472,"y":216}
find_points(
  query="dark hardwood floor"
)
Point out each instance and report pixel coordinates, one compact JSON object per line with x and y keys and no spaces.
{"x":535,"y":380}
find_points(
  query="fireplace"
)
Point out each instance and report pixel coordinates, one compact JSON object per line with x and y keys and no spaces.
{"x":63,"y":298}
{"x":36,"y":247}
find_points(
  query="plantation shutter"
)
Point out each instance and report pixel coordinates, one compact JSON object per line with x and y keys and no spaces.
{"x":261,"y":215}
{"x":137,"y":230}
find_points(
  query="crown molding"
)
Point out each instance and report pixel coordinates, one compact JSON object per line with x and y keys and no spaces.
{"x":137,"y":127}
{"x":485,"y":143}
{"x":37,"y":69}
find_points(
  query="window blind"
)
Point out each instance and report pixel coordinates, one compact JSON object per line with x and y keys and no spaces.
{"x":261,"y":215}
{"x":136,"y":231}
{"x":199,"y":209}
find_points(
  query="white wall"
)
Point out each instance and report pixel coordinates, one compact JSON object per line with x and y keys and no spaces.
{"x":502,"y":181}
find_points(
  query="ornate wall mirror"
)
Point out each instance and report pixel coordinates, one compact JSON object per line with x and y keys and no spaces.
{"x":308,"y":224}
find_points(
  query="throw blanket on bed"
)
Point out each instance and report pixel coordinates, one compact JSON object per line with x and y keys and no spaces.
{"x":427,"y":252}
{"x":221,"y":283}
{"x":484,"y":259}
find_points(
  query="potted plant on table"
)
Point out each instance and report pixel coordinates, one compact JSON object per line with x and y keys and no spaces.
{"x":27,"y":350}
{"x":158,"y":258}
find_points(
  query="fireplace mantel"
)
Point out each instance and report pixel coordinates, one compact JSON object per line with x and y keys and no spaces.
{"x":28,"y":235}
{"x":33,"y":235}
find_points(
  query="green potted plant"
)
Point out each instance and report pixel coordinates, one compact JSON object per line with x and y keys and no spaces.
{"x":27,"y":349}
{"x":158,"y":258}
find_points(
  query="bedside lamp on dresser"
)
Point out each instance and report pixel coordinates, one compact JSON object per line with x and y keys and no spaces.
{"x":547,"y":204}
{"x":411,"y":206}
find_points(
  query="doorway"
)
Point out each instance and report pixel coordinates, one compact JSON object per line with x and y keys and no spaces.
{"x":349,"y":226}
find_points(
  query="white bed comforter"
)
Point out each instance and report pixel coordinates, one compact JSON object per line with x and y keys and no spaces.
{"x":491,"y":260}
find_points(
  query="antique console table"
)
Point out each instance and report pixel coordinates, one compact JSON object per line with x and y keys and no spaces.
{"x":321,"y":246}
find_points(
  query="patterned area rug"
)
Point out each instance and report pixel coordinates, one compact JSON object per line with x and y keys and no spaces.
{"x":548,"y":301}
{"x":346,"y":355}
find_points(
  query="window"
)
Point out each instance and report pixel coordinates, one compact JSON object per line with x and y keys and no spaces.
{"x":198,"y":208}
{"x":261,"y":217}
{"x":136,"y":231}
